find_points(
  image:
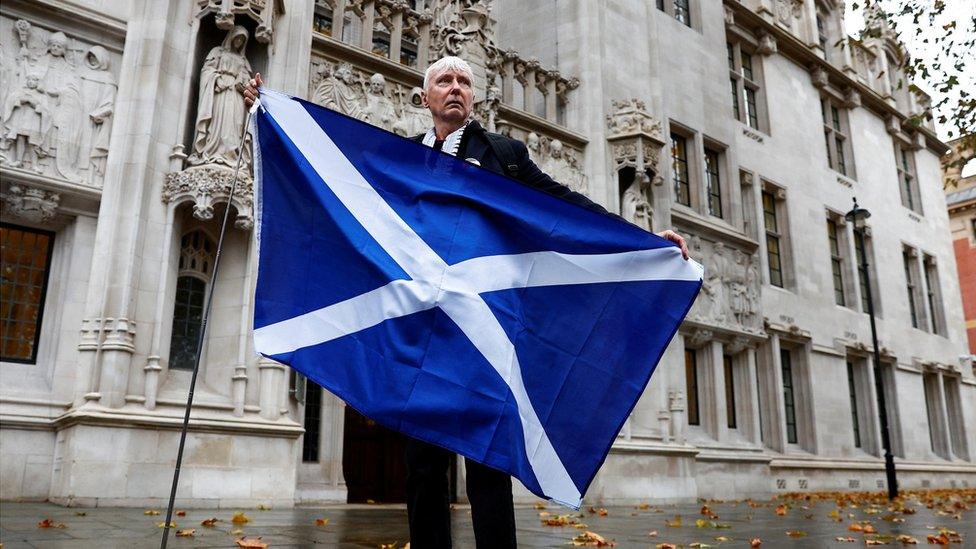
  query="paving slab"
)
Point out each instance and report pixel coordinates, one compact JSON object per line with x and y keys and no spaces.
{"x":797,"y":521}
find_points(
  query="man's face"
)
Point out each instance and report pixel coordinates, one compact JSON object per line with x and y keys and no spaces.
{"x":449,"y":96}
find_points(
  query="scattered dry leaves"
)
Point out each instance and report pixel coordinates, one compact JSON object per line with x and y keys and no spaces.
{"x":848,"y":539}
{"x":81,"y":514}
{"x":162,"y":524}
{"x":240,"y":518}
{"x":755,"y":542}
{"x":796,"y":533}
{"x":559,"y":520}
{"x":644,"y":506}
{"x":150,"y":512}
{"x":181,"y":513}
{"x":781,"y":510}
{"x":321,"y":522}
{"x":676,"y":523}
{"x":210,"y":522}
{"x":907,"y":540}
{"x":665,"y":546}
{"x":652,"y":533}
{"x":48,"y":523}
{"x":186,"y":533}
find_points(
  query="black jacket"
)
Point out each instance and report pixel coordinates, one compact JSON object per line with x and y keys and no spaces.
{"x":475,"y":144}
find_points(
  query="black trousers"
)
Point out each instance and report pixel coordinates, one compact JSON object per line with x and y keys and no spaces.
{"x":428,"y":500}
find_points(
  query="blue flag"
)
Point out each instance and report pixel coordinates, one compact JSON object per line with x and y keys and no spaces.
{"x":452,"y":304}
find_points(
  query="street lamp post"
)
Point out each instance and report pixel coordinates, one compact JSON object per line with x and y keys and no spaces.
{"x":858,"y":216}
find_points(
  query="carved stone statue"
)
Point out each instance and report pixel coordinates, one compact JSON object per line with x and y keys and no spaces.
{"x":380,"y":110}
{"x":98,"y":89}
{"x":339,"y":91}
{"x":220,"y":109}
{"x":634,"y":206}
{"x":534,"y":145}
{"x":60,"y":82}
{"x":415,"y":119}
{"x":27,"y":122}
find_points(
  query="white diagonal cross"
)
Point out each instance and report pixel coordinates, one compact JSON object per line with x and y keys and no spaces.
{"x":454,"y":288}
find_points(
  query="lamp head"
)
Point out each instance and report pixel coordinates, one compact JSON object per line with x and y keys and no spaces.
{"x":858,"y":216}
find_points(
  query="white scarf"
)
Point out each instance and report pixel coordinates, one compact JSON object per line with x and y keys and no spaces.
{"x":451,"y":143}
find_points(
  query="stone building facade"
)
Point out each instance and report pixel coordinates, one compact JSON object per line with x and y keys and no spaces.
{"x":959,"y":179}
{"x":747,"y":125}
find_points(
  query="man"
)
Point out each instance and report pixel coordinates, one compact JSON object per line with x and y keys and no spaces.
{"x":449,"y":95}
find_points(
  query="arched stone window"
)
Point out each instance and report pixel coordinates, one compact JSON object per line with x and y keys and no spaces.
{"x":195,"y":271}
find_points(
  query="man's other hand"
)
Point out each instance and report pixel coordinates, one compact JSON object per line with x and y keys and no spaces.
{"x":251,"y":91}
{"x":677,"y":239}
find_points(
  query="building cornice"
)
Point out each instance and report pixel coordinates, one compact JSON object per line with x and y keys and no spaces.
{"x":795,"y":50}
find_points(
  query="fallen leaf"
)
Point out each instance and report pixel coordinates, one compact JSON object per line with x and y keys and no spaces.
{"x":321,"y":522}
{"x":698,"y":545}
{"x":185,"y":533}
{"x":665,"y":546}
{"x":644,"y":506}
{"x":591,"y":539}
{"x":755,"y":542}
{"x":150,"y":513}
{"x":855,"y":527}
{"x":875,"y":542}
{"x":181,"y":513}
{"x":676,"y":523}
{"x":722,"y":526}
{"x":652,"y":533}
{"x":560,"y":520}
{"x":723,"y":538}
{"x":80,"y":514}
{"x":251,"y":543}
{"x":781,"y":510}
{"x":210,"y":522}
{"x":907,"y":540}
{"x":796,"y":533}
{"x":868,"y":529}
{"x":848,"y":539}
{"x":540,"y":505}
{"x":240,"y":518}
{"x":162,"y":524}
{"x":48,"y":523}
{"x":702,"y":523}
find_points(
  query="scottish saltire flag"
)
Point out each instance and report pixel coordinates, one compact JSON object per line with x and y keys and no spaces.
{"x":452,"y":304}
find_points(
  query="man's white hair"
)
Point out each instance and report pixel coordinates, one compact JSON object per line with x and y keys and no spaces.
{"x":449,"y":63}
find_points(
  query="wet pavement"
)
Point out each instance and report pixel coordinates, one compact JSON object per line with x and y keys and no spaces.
{"x":805,"y":521}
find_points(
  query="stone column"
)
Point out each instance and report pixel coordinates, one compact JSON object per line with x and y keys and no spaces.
{"x":752,"y":421}
{"x":528,"y":95}
{"x":396,"y":35}
{"x":551,"y":98}
{"x":369,"y":9}
{"x":338,"y":20}
{"x":713,"y":389}
{"x":271,"y":375}
{"x":776,"y":406}
{"x":144,"y":123}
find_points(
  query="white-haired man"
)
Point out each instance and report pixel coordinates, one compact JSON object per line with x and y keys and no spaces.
{"x":448,"y":93}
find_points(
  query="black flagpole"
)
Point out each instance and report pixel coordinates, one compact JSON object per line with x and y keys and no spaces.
{"x":203,"y":335}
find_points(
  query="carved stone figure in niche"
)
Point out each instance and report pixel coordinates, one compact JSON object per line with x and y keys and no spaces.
{"x":220,"y":109}
{"x":339,"y":91}
{"x":416,"y":118}
{"x":737,"y":285}
{"x":380,"y":110}
{"x":27,"y":122}
{"x":98,"y":89}
{"x":61,"y":83}
{"x":634,"y":206}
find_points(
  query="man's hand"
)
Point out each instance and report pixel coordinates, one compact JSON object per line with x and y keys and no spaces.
{"x":251,"y":91}
{"x":677,"y":239}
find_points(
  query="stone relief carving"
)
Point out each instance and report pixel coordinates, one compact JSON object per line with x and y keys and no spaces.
{"x":341,"y":89}
{"x":205,"y":185}
{"x":730,"y":292}
{"x":36,"y":205}
{"x":220,"y":107}
{"x":415,"y":119}
{"x":380,"y":110}
{"x":262,"y":12}
{"x":557,"y":160}
{"x":630,"y":116}
{"x":634,"y":206}
{"x":788,"y":11}
{"x":57,"y":99}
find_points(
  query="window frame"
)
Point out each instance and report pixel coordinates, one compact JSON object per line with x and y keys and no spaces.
{"x":673,"y":10}
{"x":747,"y":89}
{"x":836,"y":261}
{"x":789,"y":405}
{"x":933,"y":295}
{"x":728,"y":369}
{"x":908,"y":187}
{"x":677,"y":162}
{"x":781,"y":236}
{"x":913,"y":288}
{"x":713,"y":180}
{"x":187,"y":268}
{"x":42,"y":302}
{"x":837,"y":136}
{"x":852,"y":393}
